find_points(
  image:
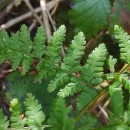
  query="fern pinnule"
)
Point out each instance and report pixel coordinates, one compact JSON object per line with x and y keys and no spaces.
{"x":58,"y":81}
{"x":4,"y":123}
{"x":39,"y":43}
{"x":111,"y":62}
{"x":74,"y":86}
{"x":35,"y":116}
{"x":124,"y":43}
{"x":67,"y":90}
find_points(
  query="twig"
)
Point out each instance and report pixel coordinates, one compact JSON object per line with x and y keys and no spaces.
{"x":51,"y":20}
{"x":55,"y":8}
{"x":35,"y":14}
{"x":7,"y":9}
{"x":45,"y":19}
{"x":102,"y":110}
{"x":7,"y":71}
{"x":16,"y":20}
{"x":105,"y":105}
{"x":32,"y":25}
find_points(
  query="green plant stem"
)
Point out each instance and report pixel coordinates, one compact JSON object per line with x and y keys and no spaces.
{"x":88,"y":106}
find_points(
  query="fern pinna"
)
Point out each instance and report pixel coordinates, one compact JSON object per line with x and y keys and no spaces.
{"x":19,"y":49}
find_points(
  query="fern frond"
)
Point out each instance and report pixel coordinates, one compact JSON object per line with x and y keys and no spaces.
{"x":59,"y":118}
{"x":16,"y":111}
{"x":47,"y":66}
{"x":92,"y":72}
{"x":91,"y":75}
{"x":39,"y":43}
{"x":4,"y":123}
{"x":35,"y":116}
{"x":70,"y":65}
{"x":124,"y":43}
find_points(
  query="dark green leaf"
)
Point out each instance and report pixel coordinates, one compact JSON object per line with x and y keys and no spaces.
{"x":90,"y":16}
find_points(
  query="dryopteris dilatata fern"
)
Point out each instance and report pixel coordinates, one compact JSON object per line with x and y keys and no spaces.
{"x":61,"y":116}
{"x":69,"y":78}
{"x":32,"y":119}
{"x":19,"y":49}
{"x":35,"y":117}
{"x":71,"y":63}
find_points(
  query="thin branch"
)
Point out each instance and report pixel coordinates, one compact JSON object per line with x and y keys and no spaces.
{"x":16,"y":20}
{"x":7,"y":71}
{"x":51,"y":20}
{"x":55,"y":8}
{"x":102,"y":110}
{"x":7,"y":9}
{"x":35,"y":14}
{"x":45,"y":19}
{"x":34,"y":24}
